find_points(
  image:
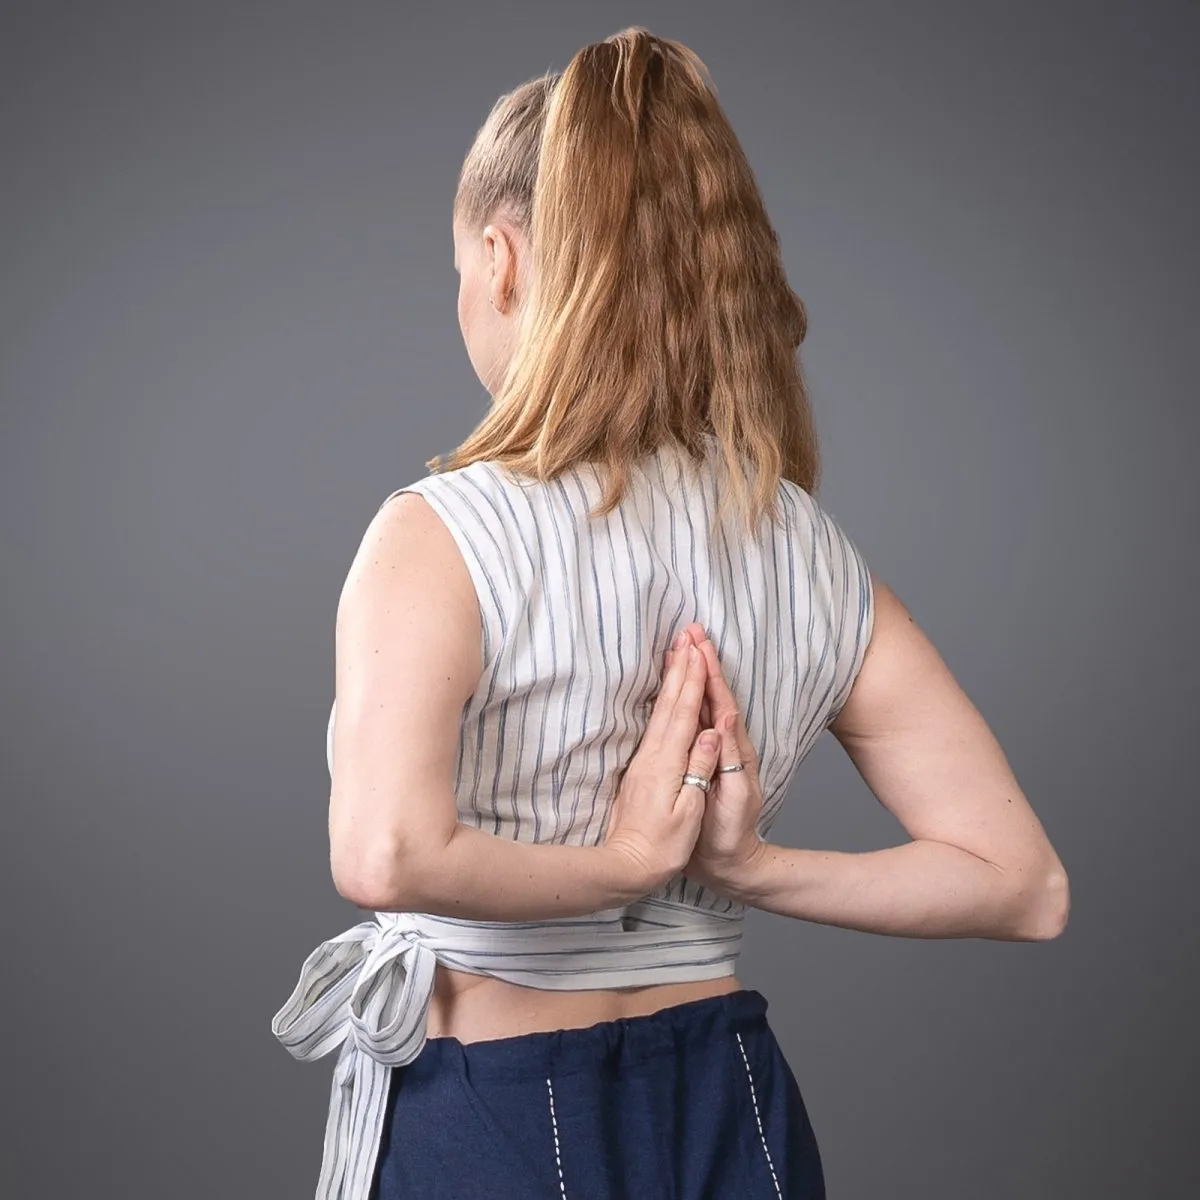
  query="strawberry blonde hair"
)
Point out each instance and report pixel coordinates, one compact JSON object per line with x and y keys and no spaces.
{"x":658,"y":310}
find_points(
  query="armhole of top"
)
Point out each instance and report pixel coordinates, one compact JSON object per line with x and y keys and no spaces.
{"x":482,"y":575}
{"x":479,"y":549}
{"x":853,"y":592}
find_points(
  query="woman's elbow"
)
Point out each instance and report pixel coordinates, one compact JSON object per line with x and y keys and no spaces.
{"x":1044,"y":909}
{"x":368,"y":881}
{"x":363,"y":892}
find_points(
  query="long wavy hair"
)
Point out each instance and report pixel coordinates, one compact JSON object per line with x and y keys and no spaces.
{"x":657,"y":308}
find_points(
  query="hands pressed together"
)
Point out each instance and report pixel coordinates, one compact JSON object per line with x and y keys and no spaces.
{"x":663,"y":821}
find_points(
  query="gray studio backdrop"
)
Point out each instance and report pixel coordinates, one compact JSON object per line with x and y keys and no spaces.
{"x":228,"y":332}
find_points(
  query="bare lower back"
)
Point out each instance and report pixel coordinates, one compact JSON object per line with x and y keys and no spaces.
{"x":479,"y":1008}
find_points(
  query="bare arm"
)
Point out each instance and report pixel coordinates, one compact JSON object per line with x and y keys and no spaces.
{"x":979,"y":863}
{"x":408,"y":658}
{"x":407,"y":661}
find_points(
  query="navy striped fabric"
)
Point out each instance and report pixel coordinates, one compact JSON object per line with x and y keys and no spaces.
{"x":576,"y":617}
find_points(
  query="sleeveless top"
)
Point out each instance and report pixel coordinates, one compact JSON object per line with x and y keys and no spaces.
{"x":576,"y":615}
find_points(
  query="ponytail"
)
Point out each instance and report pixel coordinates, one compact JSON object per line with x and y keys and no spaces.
{"x":658,"y":309}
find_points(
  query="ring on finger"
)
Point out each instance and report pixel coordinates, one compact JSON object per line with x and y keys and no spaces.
{"x":697,"y":781}
{"x":732,"y":767}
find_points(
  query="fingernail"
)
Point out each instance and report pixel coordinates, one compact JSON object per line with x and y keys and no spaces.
{"x":692,"y":653}
{"x":708,"y":741}
{"x":679,"y":639}
{"x":730,"y":721}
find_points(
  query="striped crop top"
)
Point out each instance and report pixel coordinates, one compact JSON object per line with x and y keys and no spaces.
{"x":576,"y":616}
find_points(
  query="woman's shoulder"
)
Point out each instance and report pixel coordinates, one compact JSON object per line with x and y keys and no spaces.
{"x":477,"y":486}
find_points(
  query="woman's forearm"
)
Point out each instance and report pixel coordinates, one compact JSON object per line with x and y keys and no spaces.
{"x":922,"y":889}
{"x":482,"y":877}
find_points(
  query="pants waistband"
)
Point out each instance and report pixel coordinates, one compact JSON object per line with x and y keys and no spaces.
{"x":605,"y":1045}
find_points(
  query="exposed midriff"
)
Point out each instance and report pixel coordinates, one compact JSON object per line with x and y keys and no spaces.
{"x":479,"y":1008}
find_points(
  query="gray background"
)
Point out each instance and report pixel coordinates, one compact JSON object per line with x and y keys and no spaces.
{"x":229,"y":331}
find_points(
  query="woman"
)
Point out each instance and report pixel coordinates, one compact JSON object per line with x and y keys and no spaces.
{"x":560,"y":860}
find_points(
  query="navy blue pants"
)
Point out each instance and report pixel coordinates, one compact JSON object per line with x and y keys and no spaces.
{"x":693,"y":1102}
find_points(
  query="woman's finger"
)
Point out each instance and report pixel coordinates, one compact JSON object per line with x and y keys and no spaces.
{"x":706,"y":716}
{"x":721,"y":699}
{"x":730,"y":752}
{"x":668,"y":693}
{"x":723,"y":704}
{"x":702,"y":759}
{"x":711,"y":712}
{"x":685,"y":716}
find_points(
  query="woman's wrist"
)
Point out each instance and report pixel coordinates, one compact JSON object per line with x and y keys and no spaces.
{"x":740,"y":880}
{"x":626,"y":878}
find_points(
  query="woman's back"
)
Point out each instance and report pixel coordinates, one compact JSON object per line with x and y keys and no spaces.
{"x":577,"y":613}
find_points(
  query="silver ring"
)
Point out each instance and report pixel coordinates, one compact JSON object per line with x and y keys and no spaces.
{"x":734,"y":767}
{"x":697,"y":781}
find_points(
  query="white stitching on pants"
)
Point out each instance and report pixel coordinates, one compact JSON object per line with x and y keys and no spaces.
{"x":554,"y":1121}
{"x":754,"y":1098}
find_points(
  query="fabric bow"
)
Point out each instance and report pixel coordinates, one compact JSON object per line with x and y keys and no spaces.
{"x":366,"y":990}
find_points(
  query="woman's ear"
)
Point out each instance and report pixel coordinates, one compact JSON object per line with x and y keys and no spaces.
{"x":500,"y":252}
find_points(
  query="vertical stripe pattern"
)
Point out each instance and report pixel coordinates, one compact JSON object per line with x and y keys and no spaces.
{"x":575,"y":617}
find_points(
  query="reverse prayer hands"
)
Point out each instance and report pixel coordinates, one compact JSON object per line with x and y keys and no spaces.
{"x":658,"y":811}
{"x":728,"y":846}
